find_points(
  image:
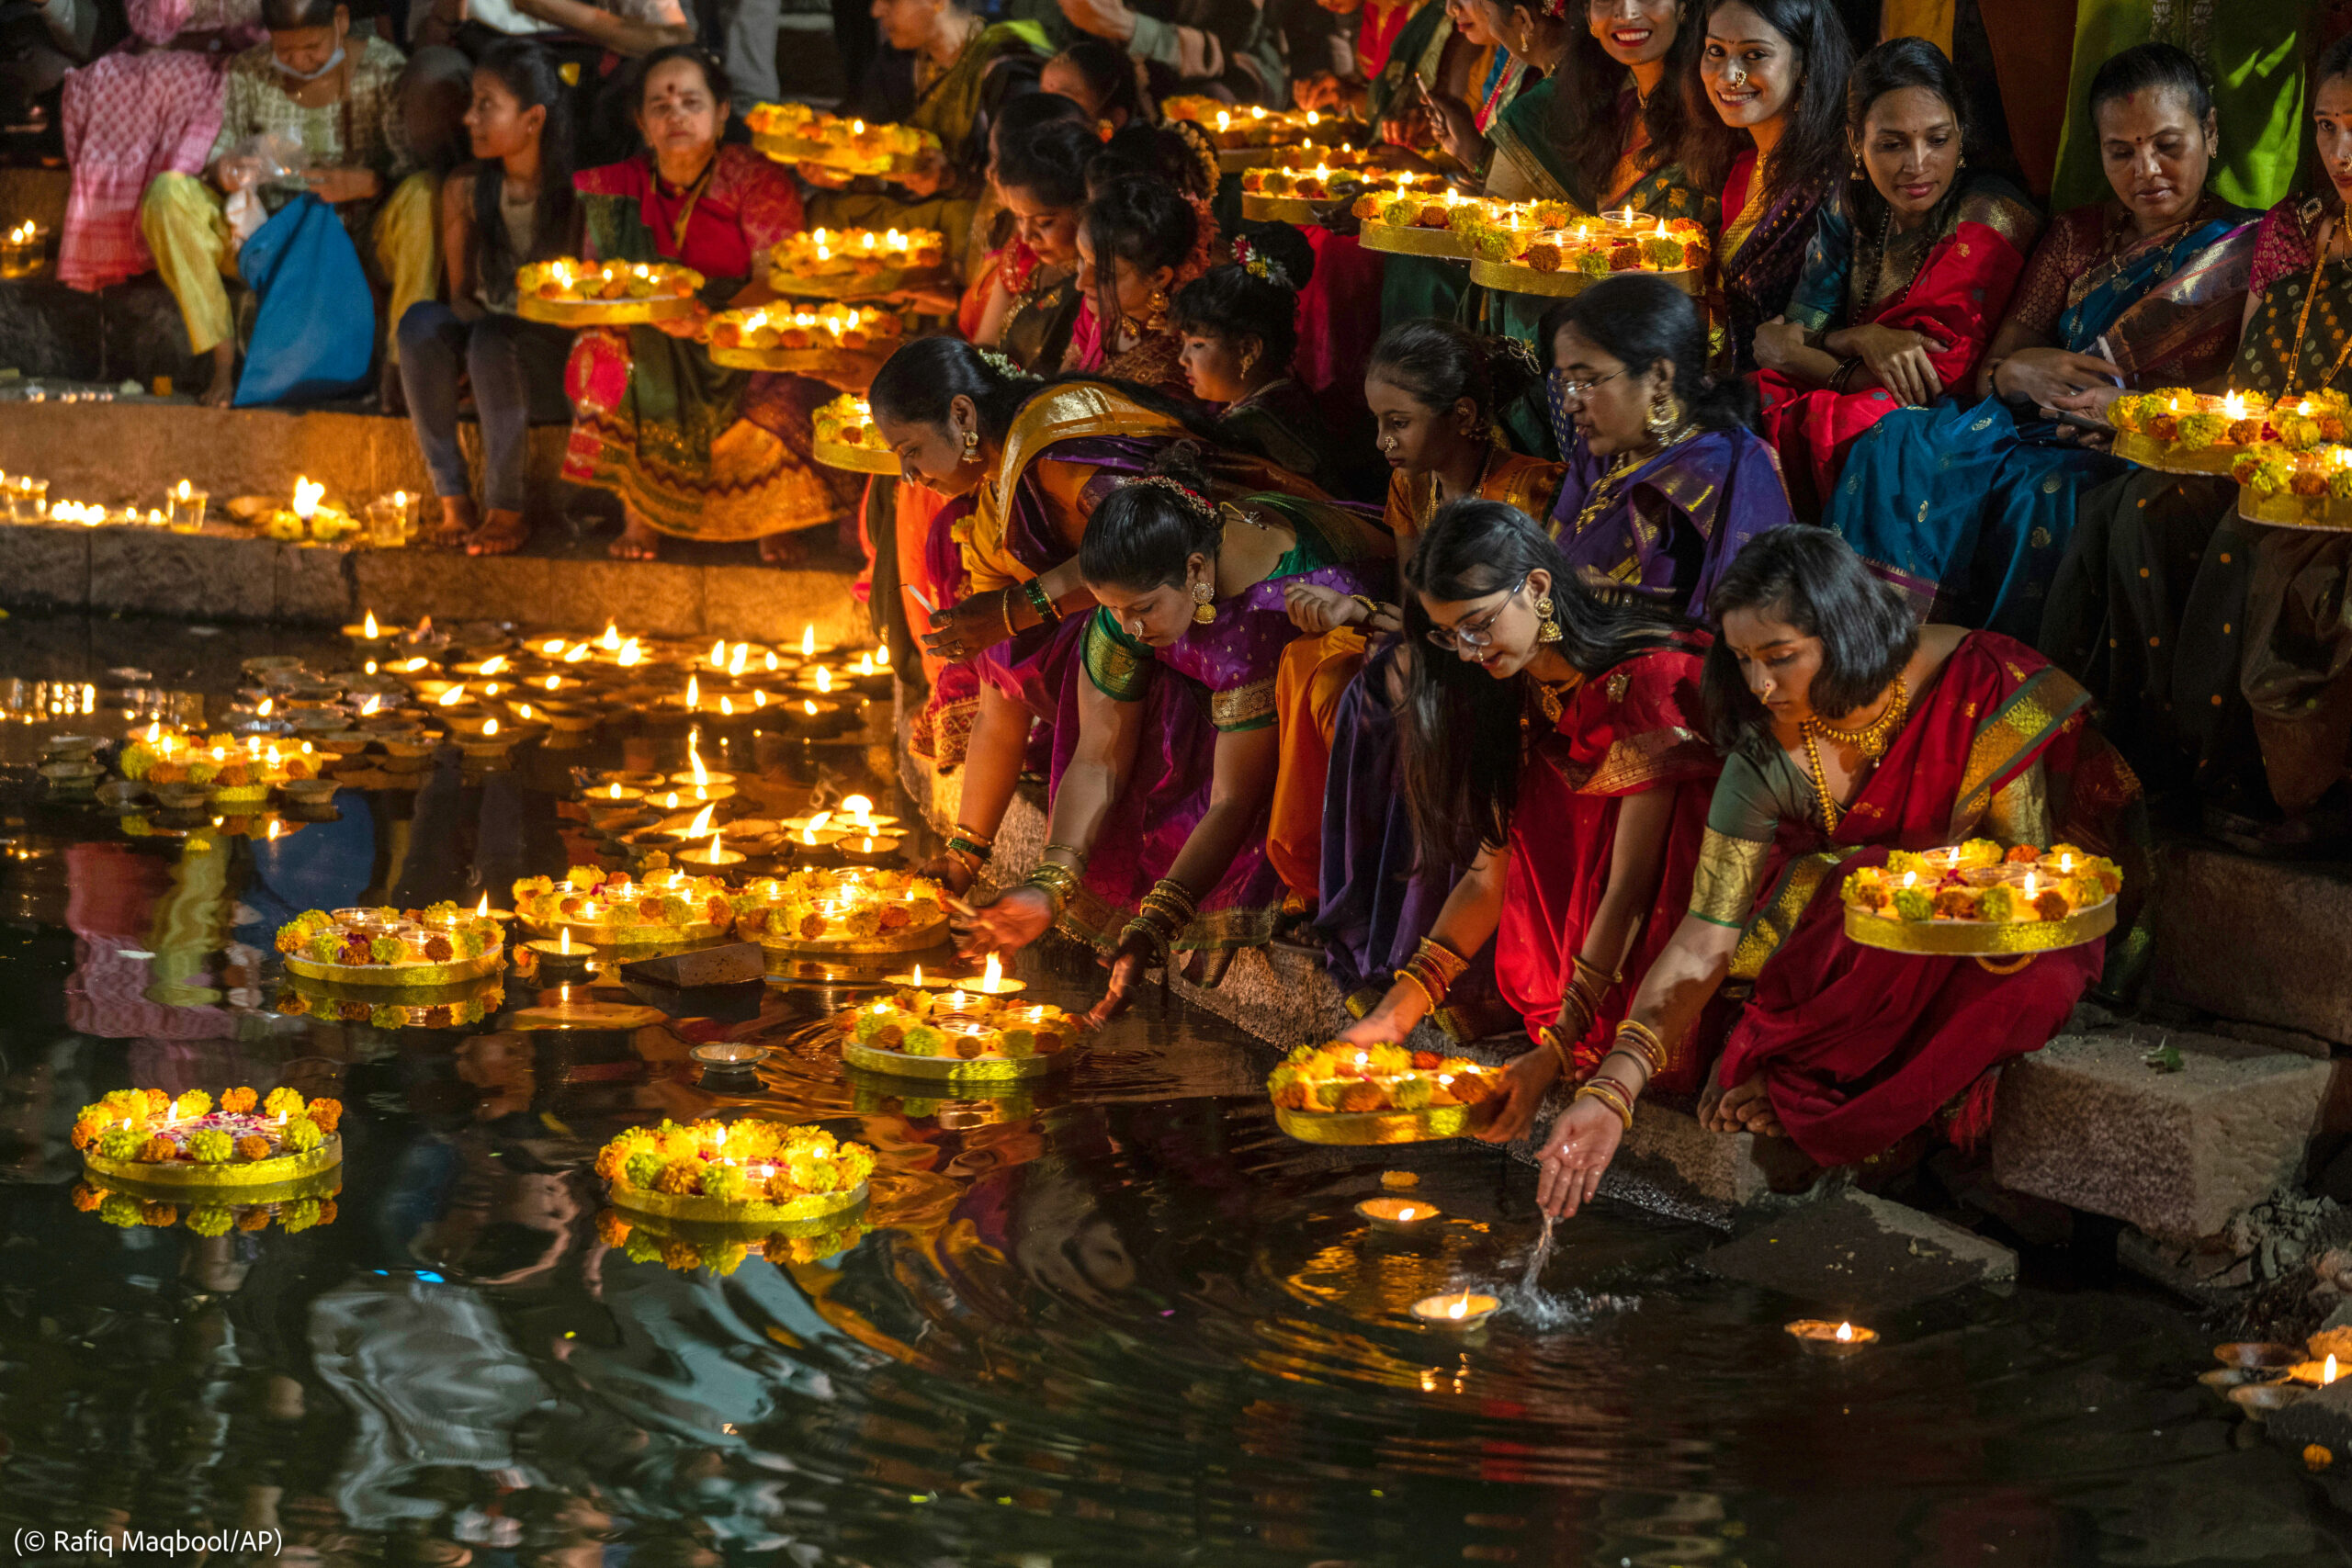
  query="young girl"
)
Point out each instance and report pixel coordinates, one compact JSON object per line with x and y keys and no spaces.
{"x":1239,"y":327}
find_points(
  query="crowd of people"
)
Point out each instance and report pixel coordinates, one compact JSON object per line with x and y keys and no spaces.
{"x":1664,"y":605}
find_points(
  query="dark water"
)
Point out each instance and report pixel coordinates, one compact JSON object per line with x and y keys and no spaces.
{"x":1121,"y":1321}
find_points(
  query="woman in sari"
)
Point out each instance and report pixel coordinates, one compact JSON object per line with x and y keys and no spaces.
{"x":1240,"y":326}
{"x":1850,"y":732}
{"x":2151,"y":605}
{"x":1967,"y":506}
{"x":1141,"y":237}
{"x":1912,"y":265}
{"x":998,"y":264}
{"x":1665,"y":483}
{"x":1553,"y":744}
{"x":1164,"y":751}
{"x":1775,"y":69}
{"x":948,"y":69}
{"x":1023,"y":464}
{"x":692,"y":449}
{"x":1339,"y":834}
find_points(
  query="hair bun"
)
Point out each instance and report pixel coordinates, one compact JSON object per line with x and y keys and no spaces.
{"x":1274,"y":252}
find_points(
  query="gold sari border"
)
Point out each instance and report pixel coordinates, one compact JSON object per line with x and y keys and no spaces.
{"x":1722,"y":889}
{"x":2033,"y":714}
{"x":1780,"y":913}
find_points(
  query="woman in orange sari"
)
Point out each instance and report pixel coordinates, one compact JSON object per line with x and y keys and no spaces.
{"x":1851,"y":732}
{"x":1553,"y":745}
{"x":1908,"y":274}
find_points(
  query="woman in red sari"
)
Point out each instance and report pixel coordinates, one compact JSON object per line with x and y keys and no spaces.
{"x":1909,"y":272}
{"x":1851,"y":731}
{"x":1553,"y":747}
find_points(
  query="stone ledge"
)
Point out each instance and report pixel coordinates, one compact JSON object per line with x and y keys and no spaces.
{"x":2085,"y":1121}
{"x":2257,"y":940}
{"x":1857,"y":1254}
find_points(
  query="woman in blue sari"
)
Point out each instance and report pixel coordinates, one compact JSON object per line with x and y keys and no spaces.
{"x":1967,"y":505}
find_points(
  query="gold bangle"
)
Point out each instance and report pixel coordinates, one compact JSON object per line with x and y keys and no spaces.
{"x":1425,"y":974}
{"x":1550,"y":1036}
{"x":1449,"y":965}
{"x":1056,"y":881}
{"x":1639,"y":1031}
{"x":1617,"y":1106}
{"x":1408,"y":977}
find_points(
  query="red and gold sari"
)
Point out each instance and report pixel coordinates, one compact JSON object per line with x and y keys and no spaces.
{"x":1951,"y":286}
{"x":1634,"y":729}
{"x":1858,"y":1046}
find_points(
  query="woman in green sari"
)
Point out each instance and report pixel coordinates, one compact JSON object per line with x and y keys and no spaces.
{"x":946,"y":70}
{"x":2197,"y":630}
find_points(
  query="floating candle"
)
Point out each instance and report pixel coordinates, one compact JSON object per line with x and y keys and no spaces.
{"x":1826,"y":1339}
{"x":1465,"y":1311}
{"x":1396,"y":1213}
{"x":558,"y":962}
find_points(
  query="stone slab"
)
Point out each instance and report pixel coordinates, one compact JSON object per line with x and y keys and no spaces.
{"x":753,"y":603}
{"x":152,"y":571}
{"x":132,"y":451}
{"x":2085,"y":1121}
{"x":1856,"y":1253}
{"x":44,"y":568}
{"x":314,"y":584}
{"x":2255,"y":939}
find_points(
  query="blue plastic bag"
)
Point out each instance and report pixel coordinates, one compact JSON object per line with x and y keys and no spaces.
{"x":314,"y":334}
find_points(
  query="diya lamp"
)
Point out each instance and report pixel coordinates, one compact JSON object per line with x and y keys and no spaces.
{"x":727,"y":1058}
{"x":812,"y":842}
{"x":1467,"y":1310}
{"x":1839,"y":1339}
{"x":2314,"y":1375}
{"x":489,"y":744}
{"x":1397,"y":1214}
{"x":483,"y":911}
{"x":992,"y":981}
{"x":869,"y":850}
{"x":917,"y":980}
{"x":639,"y":782}
{"x":714,"y":860}
{"x":858,"y":816}
{"x":184,"y":511}
{"x":869,"y":673}
{"x":560,"y":961}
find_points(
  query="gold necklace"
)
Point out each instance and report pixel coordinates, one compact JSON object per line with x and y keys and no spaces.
{"x":1870,"y":739}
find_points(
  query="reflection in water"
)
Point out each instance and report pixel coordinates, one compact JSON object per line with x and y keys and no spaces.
{"x":1111,"y":1316}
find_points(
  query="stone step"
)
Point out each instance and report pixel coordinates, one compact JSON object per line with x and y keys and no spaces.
{"x":2086,"y":1121}
{"x":2262,"y":941}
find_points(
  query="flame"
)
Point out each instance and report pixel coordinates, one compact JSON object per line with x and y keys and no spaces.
{"x":1845,"y":1334}
{"x":273,"y":830}
{"x":482,"y":909}
{"x":718,"y":845}
{"x":742,"y":653}
{"x":917,"y":976}
{"x":694,"y":758}
{"x":809,"y":833}
{"x":575,"y":653}
{"x":489,"y":728}
{"x":553,"y":645}
{"x":1459,"y":1307}
{"x":368,"y":626}
{"x":553,"y":682}
{"x":1406,"y":1212}
{"x":2234,"y":406}
{"x":307,"y":497}
{"x":670,"y":801}
{"x":808,"y":641}
{"x":263,"y":711}
{"x":701,"y":824}
{"x":727,"y":705}
{"x":694,"y":693}
{"x":413,"y":665}
{"x":453,"y":697}
{"x":882,"y":657}
{"x":2327,"y":1372}
{"x":629,"y":654}
{"x":773,"y":663}
{"x":611,"y":640}
{"x":566,"y":942}
{"x":493,"y":664}
{"x":861,"y":810}
{"x":992,"y":978}
{"x":617,"y":791}
{"x":371,"y":705}
{"x":824,"y":679}
{"x":719,"y":654}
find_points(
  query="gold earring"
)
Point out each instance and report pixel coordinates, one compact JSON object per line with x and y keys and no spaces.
{"x":1203,"y":611}
{"x":1249,"y":360}
{"x":1547,"y":630}
{"x":971,"y":446}
{"x":1665,"y":414}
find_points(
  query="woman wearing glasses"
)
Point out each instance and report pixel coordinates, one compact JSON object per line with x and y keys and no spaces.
{"x":1665,"y":480}
{"x":1550,"y":741}
{"x":1849,"y":731}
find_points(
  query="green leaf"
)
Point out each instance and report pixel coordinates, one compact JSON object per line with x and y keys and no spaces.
{"x":2165,"y":1058}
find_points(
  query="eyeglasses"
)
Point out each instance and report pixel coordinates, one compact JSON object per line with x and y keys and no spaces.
{"x":1476,"y":633}
{"x":1568,"y":388}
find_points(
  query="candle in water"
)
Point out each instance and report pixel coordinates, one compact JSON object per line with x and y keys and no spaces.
{"x":1464,"y":1311}
{"x":1396,"y":1213}
{"x":1825,"y":1337}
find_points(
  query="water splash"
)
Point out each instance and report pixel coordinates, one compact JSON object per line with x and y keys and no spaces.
{"x":1536,"y":1260}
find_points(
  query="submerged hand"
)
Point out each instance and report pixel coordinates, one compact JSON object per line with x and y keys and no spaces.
{"x":1011,"y":924}
{"x":1526,"y":1081}
{"x":1583,"y":1141}
{"x":1128,"y":966}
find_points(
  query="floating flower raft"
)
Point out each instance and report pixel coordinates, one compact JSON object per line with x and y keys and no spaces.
{"x":749,"y":1172}
{"x":568,"y":292}
{"x":1343,"y":1093}
{"x":607,"y":908}
{"x":146,"y":1137}
{"x":439,"y":945}
{"x":957,"y":1037}
{"x":1979,"y":900}
{"x":816,"y":913}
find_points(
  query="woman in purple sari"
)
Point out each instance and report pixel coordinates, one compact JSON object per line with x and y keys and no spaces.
{"x":1776,"y":70}
{"x":1666,"y":481}
{"x":1034,"y":458}
{"x":1164,"y":751}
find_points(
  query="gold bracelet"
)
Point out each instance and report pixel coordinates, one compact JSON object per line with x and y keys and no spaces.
{"x":1642,"y":1031}
{"x":1056,"y":881}
{"x":1077,"y":855}
{"x":1617,"y":1105}
{"x":1449,"y":965}
{"x":1422,"y":972}
{"x":1408,"y":977}
{"x":1547,"y":1035}
{"x":1618,"y":1048}
{"x":1172,"y":898}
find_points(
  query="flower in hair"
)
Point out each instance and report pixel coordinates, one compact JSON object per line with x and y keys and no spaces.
{"x":1192,"y":499}
{"x":1005,"y":368}
{"x":1258,"y":265}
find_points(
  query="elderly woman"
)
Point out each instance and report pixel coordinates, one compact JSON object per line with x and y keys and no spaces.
{"x":1968,"y":505}
{"x":692,"y":449}
{"x":1909,"y":272}
{"x":1850,"y":732}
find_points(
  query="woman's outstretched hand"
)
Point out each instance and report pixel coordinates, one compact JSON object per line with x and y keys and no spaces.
{"x":1018,"y":918}
{"x":964,"y":628}
{"x":1583,"y":1141}
{"x":1526,"y":1081}
{"x":1128,"y":968}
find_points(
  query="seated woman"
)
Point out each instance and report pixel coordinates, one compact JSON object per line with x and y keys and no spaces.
{"x":1967,"y":506}
{"x":1240,"y":326}
{"x":946,"y":69}
{"x":1553,"y":744}
{"x":1776,"y":70}
{"x":338,"y":102}
{"x":1341,"y":836}
{"x":1851,"y":731}
{"x":1138,"y":242}
{"x":692,"y":449}
{"x":1102,"y":79}
{"x":1025,"y":464}
{"x":1164,"y":751}
{"x":1033,"y":301}
{"x":516,"y":205}
{"x":1911,"y":267}
{"x":1665,"y":483}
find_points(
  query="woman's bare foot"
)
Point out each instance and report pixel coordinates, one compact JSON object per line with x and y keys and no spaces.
{"x":1745,"y":1108}
{"x":458,"y":522}
{"x":502,"y":533}
{"x":783,"y":550}
{"x":223,"y":386}
{"x":638,"y":542}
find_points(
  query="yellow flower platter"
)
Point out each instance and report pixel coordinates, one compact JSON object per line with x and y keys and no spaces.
{"x":856,"y":263}
{"x":853,"y":912}
{"x":1414,"y":239}
{"x":958,"y":1037}
{"x":1549,"y":248}
{"x":1303,"y":193}
{"x":1250,"y":138}
{"x":187,"y":1143}
{"x":414,"y":949}
{"x":795,"y":133}
{"x":2177,"y":430}
{"x":567,"y":292}
{"x":1977,"y":900}
{"x":845,"y":438}
{"x":2296,"y":490}
{"x":611,"y":910}
{"x":841,"y":340}
{"x":750,"y":1172}
{"x":1342,"y":1093}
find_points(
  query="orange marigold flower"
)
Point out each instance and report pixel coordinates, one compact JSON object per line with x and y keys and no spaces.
{"x":237,"y":1099}
{"x":158,"y":1102}
{"x":255,"y":1219}
{"x":84,"y":1132}
{"x":327,"y":1113}
{"x":252,"y":1145}
{"x":159,"y":1215}
{"x":611,"y":1229}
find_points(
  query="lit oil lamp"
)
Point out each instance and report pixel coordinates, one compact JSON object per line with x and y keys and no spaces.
{"x":560,"y":963}
{"x":715,"y":860}
{"x":870,"y":849}
{"x":1824,"y":1337}
{"x":2314,"y":1375}
{"x":1397,"y":1214}
{"x":1467,"y":1310}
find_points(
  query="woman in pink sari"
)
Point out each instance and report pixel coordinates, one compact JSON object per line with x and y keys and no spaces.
{"x":1909,"y":272}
